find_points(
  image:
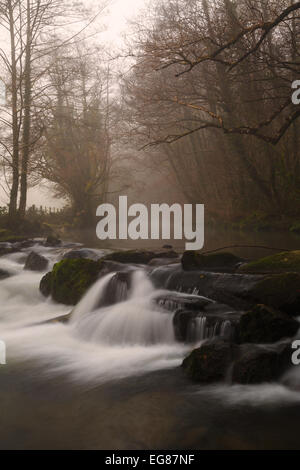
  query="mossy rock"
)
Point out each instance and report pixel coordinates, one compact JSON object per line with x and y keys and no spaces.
{"x":263,"y":324}
{"x":209,"y":363}
{"x":281,"y":291}
{"x":70,"y":279}
{"x":286,"y":261}
{"x":138,"y":256}
{"x":192,"y":260}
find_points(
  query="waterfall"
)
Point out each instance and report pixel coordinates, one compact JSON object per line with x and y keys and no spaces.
{"x":199,"y":330}
{"x":129,"y":322}
{"x":90,"y":301}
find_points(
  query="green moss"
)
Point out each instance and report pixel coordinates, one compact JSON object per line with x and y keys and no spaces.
{"x":70,"y":279}
{"x":287,"y":261}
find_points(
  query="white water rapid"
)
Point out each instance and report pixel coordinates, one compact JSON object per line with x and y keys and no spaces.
{"x":125,"y":339}
{"x":131,"y":337}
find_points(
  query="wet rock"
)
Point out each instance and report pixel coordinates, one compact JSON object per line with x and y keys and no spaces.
{"x":230,"y":289}
{"x":287,"y":261}
{"x":4,"y":274}
{"x":192,"y":260}
{"x":163,"y":261}
{"x":240,"y":291}
{"x":192,"y":326}
{"x":210,"y":362}
{"x":46,"y":285}
{"x":52,"y":241}
{"x":138,"y":256}
{"x":36,"y":262}
{"x":281,"y":291}
{"x":70,"y":279}
{"x":24,"y":244}
{"x":173,"y":301}
{"x":259,"y":364}
{"x":81,"y":253}
{"x":182,"y":321}
{"x":263,"y":324}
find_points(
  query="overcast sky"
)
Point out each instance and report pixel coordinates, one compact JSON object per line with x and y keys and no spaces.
{"x":119,"y":12}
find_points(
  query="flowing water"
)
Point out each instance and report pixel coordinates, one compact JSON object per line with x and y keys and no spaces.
{"x":110,"y":376}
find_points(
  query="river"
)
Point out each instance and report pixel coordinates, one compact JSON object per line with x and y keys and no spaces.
{"x":110,"y":378}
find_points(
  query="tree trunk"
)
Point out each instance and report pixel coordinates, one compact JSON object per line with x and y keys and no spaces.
{"x":15,"y":122}
{"x":27,"y":119}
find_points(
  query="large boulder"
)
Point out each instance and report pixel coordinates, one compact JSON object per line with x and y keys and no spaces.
{"x":210,"y":362}
{"x":281,"y":291}
{"x":36,"y":262}
{"x":138,"y":256}
{"x":192,"y":260}
{"x":287,"y":261}
{"x":227,"y":288}
{"x":263,"y":324}
{"x":70,"y":279}
{"x":240,"y":291}
{"x":258,"y":364}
